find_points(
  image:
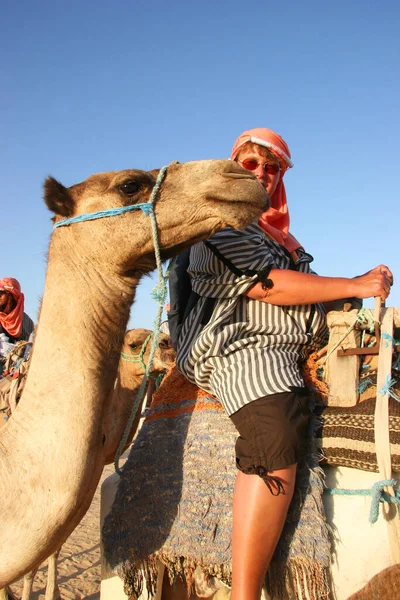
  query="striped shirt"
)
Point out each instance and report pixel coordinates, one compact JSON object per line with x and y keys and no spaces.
{"x":247,"y":349}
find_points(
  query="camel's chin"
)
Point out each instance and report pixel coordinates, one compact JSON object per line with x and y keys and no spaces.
{"x":167,"y":253}
{"x":240,"y":224}
{"x":240,"y":220}
{"x":245,"y":215}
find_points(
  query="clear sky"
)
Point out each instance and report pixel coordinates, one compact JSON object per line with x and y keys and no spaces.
{"x":91,"y":86}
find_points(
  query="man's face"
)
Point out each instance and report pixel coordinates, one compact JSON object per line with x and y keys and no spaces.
{"x":4,"y":298}
{"x":267,"y":172}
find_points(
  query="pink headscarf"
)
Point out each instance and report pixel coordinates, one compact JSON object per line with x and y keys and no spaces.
{"x":12,"y":322}
{"x":275,"y":221}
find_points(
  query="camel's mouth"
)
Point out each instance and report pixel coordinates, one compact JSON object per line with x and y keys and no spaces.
{"x":236,"y":171}
{"x":244,"y":175}
{"x":254,"y":205}
{"x":251,"y":192}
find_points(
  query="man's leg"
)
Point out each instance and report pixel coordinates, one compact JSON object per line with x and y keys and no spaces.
{"x":258,"y":519}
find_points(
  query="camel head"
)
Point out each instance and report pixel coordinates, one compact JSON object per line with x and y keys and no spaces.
{"x":137,"y":340}
{"x":195,"y":200}
{"x":130,"y":375}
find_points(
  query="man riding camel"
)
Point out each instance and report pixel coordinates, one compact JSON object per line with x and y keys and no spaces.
{"x":14,"y":322}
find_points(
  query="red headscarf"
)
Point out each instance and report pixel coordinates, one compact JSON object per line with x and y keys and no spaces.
{"x":12,"y":322}
{"x":275,"y":221}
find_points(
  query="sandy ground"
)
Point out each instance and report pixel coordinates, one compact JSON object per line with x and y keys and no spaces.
{"x":79,"y":560}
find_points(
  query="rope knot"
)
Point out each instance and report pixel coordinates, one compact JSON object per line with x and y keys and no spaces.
{"x":366,"y":318}
{"x":159,"y":292}
{"x":387,"y":388}
{"x":379,"y":495}
{"x":147,"y":208}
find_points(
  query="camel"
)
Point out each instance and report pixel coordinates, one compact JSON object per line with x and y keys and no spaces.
{"x":383,"y":585}
{"x":128,"y":381}
{"x":94,"y":267}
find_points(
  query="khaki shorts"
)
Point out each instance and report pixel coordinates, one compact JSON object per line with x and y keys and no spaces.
{"x":273,"y":432}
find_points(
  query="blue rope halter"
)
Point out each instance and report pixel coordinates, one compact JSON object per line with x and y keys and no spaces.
{"x":146,"y":207}
{"x":159,"y":292}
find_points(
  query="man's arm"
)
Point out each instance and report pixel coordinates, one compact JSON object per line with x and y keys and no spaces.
{"x":292,"y":287}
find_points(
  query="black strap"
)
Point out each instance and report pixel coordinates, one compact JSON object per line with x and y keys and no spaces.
{"x":262,"y":275}
{"x":208,"y":307}
{"x":292,"y":264}
{"x":310,"y":319}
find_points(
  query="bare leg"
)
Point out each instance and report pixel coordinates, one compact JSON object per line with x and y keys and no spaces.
{"x":258,"y":519}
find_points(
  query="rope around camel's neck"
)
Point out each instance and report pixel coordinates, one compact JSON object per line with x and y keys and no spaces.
{"x":159,"y":292}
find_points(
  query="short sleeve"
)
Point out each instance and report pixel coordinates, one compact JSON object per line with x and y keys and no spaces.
{"x":248,"y":250}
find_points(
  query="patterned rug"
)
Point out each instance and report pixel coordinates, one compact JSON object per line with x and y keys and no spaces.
{"x":175,"y":496}
{"x":346,"y":435}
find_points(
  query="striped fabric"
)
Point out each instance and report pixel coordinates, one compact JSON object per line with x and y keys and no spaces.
{"x":346,"y":435}
{"x":247,"y":349}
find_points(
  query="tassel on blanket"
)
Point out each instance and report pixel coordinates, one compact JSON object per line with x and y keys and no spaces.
{"x":134,"y":579}
{"x":147,"y":572}
{"x":308,"y":581}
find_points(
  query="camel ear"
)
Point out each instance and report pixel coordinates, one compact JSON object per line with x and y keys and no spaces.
{"x":57,"y":198}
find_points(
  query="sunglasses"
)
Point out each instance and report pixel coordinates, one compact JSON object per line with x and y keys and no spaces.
{"x":252,"y":165}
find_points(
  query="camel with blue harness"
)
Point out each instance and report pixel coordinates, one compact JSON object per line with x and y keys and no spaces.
{"x":343,"y":527}
{"x":105,"y":232}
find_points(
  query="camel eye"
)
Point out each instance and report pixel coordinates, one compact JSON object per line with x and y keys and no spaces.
{"x":129,"y":188}
{"x":133,"y":346}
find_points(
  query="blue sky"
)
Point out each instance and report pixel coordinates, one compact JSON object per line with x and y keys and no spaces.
{"x":100,"y":86}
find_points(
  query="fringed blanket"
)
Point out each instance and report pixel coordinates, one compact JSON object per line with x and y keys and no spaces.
{"x":174,"y":503}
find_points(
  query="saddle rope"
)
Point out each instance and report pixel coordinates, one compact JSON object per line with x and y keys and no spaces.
{"x":365,"y":318}
{"x":377,"y":492}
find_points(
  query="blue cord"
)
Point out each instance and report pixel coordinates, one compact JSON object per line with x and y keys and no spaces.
{"x":146,"y":207}
{"x":377,"y":492}
{"x":110,"y":212}
{"x":159,"y":292}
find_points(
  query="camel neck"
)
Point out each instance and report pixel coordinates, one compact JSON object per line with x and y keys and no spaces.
{"x":81,"y":327}
{"x":52,"y":449}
